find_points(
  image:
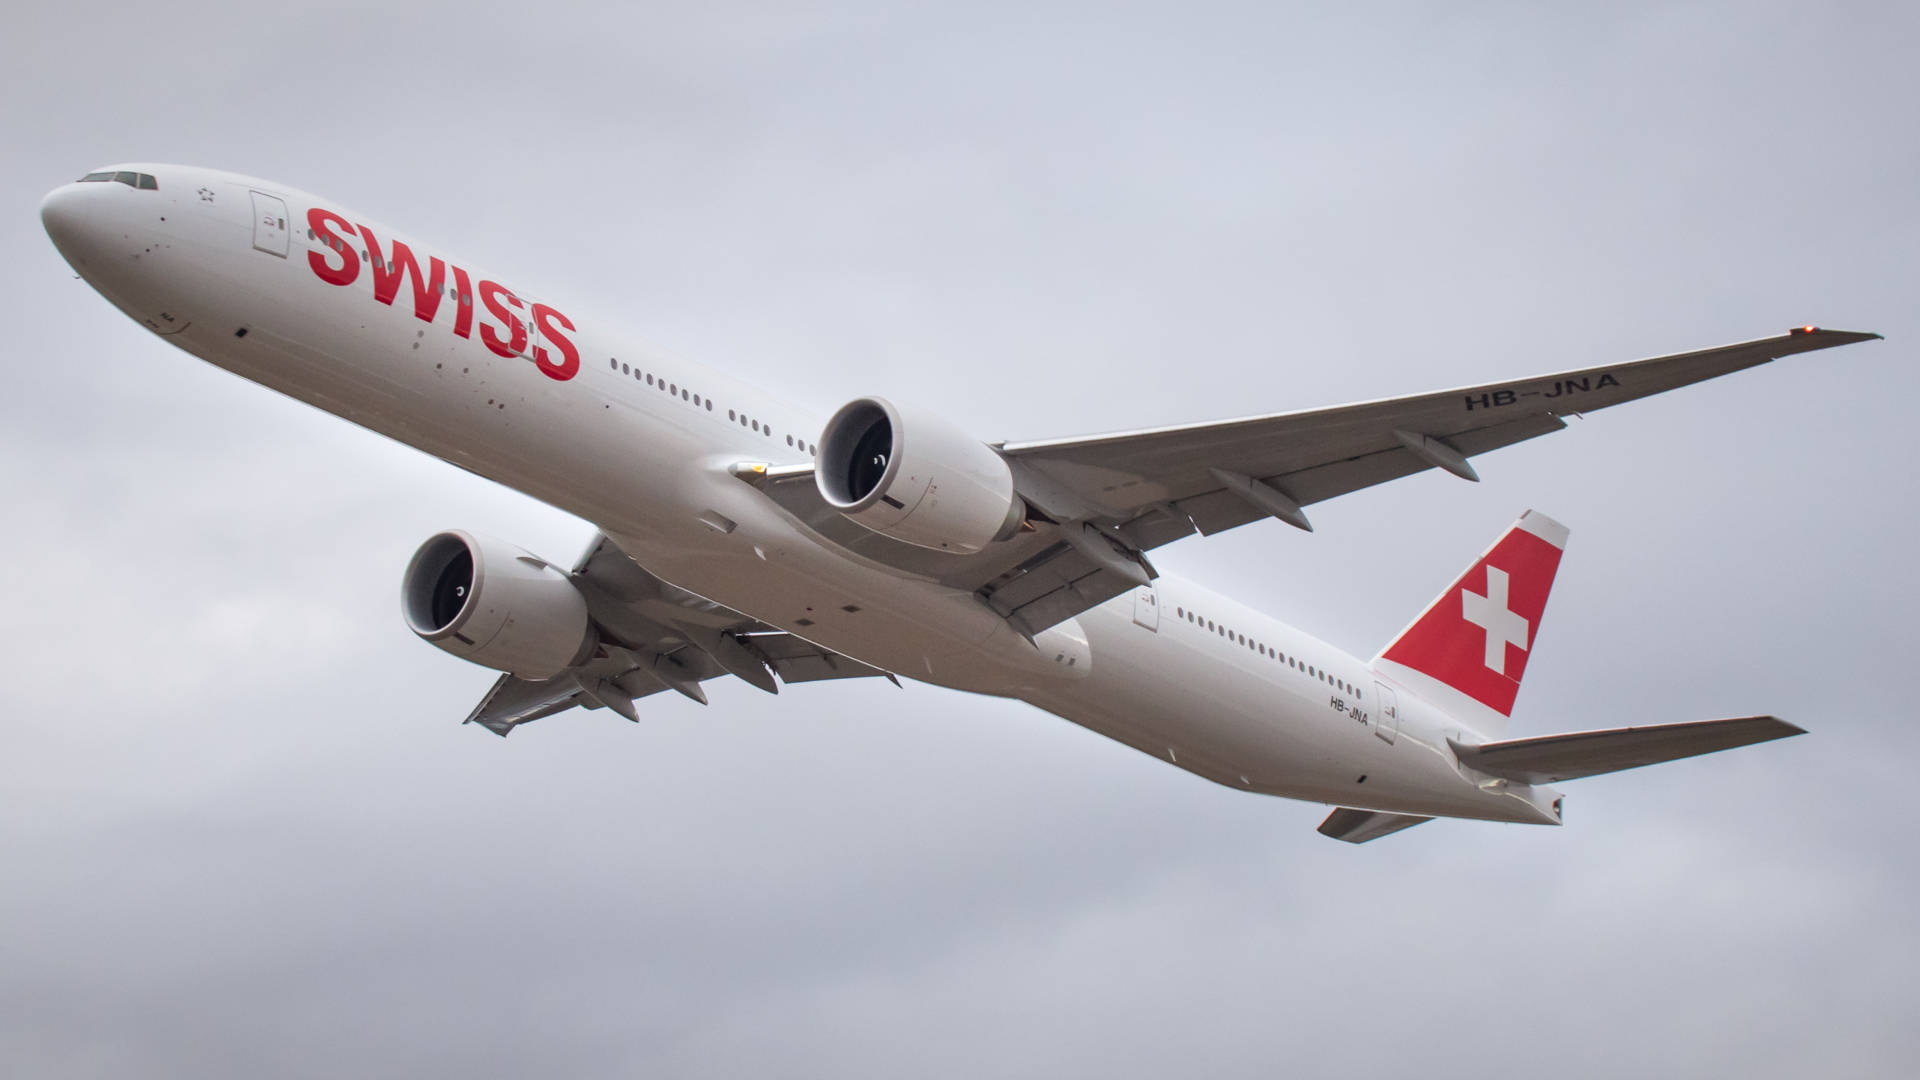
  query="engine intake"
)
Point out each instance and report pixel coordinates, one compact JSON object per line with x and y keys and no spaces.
{"x":496,"y":605}
{"x":912,"y":476}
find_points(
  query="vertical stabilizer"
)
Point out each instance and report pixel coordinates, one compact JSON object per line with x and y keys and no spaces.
{"x":1468,"y":650}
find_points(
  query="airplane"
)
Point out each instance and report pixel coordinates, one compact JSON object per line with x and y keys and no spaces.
{"x":742,"y":535}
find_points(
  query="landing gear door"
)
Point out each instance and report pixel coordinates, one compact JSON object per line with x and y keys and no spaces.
{"x":269,"y":224}
{"x":1146,"y":608}
{"x":1386,"y":712}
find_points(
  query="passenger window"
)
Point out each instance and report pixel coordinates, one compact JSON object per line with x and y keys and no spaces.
{"x":696,"y":399}
{"x":649,"y":380}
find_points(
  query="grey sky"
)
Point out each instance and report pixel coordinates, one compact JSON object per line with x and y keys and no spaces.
{"x":243,"y":833}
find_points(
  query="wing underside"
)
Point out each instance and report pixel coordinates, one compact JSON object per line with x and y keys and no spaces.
{"x":655,"y":636}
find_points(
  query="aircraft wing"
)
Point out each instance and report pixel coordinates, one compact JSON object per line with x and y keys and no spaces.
{"x":655,"y":636}
{"x":1308,"y":457}
{"x":1105,"y":500}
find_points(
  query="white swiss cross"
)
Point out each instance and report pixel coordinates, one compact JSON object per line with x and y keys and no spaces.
{"x":1490,"y":613}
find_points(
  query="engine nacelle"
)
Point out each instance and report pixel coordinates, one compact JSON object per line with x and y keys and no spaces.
{"x":496,"y":605}
{"x":912,"y":476}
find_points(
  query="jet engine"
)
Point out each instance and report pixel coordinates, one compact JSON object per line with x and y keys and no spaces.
{"x":912,"y":476}
{"x":496,"y":605}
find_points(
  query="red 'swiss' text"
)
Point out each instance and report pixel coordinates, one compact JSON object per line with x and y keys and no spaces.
{"x":513,"y":322}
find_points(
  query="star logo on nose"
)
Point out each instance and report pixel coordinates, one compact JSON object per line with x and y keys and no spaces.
{"x":206,"y":194}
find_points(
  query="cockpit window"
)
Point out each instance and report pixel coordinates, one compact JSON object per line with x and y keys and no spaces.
{"x":141,"y":181}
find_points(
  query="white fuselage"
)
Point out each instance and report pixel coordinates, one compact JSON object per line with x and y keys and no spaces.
{"x":1173,"y":670}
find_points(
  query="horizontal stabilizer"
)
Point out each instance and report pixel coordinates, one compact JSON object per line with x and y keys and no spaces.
{"x":1360,"y":826}
{"x":1553,"y":758}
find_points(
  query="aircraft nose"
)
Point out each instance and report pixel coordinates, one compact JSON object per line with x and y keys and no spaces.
{"x":87,"y":225}
{"x":98,"y":224}
{"x":63,"y":215}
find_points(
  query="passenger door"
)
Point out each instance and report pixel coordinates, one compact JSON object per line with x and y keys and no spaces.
{"x":535,"y":340}
{"x":270,"y":231}
{"x":1386,"y":712}
{"x":1146,"y":608}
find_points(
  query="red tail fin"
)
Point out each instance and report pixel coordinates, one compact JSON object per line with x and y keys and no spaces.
{"x":1476,"y":637}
